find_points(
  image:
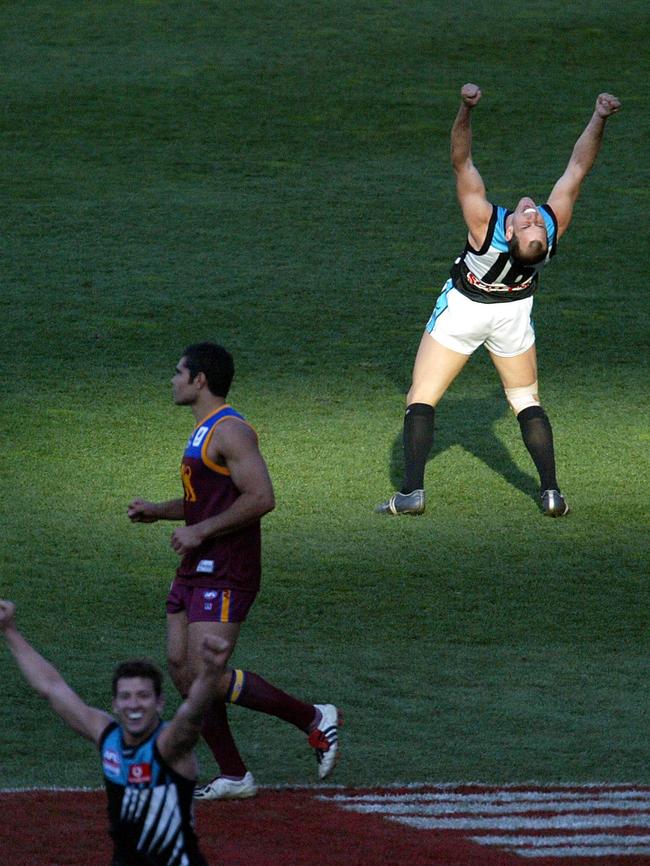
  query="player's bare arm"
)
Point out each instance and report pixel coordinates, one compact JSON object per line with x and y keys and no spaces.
{"x":586,"y":149}
{"x":47,"y":682}
{"x":469,"y":184}
{"x":143,"y":511}
{"x":234,"y":445}
{"x":177,"y":740}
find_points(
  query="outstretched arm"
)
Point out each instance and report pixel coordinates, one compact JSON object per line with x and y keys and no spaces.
{"x":566,"y":190}
{"x":469,"y":184}
{"x":177,"y":740}
{"x":48,"y":682}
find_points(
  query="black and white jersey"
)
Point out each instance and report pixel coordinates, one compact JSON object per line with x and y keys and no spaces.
{"x":490,"y":275}
{"x":149,"y":805}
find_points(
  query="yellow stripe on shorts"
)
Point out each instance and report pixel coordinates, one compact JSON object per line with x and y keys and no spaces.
{"x":225,"y":606}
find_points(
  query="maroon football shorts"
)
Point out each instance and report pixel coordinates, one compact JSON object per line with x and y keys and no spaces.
{"x":209,"y":604}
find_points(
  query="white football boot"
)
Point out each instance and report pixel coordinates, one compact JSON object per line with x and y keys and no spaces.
{"x":227,"y":789}
{"x":324,"y":738}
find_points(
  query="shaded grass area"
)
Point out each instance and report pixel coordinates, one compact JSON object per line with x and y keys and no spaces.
{"x":276,"y":176}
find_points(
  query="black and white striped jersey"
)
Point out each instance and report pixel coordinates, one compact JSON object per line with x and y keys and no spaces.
{"x":149,"y":805}
{"x":490,"y":275}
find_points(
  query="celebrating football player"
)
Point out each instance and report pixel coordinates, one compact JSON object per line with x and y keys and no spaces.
{"x":146,"y":762}
{"x":488,"y":300}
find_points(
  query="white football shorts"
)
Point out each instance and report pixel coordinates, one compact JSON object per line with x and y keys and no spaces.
{"x":463,"y":325}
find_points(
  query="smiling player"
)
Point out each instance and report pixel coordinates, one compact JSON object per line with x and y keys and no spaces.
{"x":488,"y":300}
{"x":150,"y":768}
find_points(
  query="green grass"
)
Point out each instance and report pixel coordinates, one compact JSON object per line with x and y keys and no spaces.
{"x":275,"y":176}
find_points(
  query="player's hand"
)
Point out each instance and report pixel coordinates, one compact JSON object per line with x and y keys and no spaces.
{"x":7,"y":614}
{"x":186,"y":538}
{"x":470,"y":94}
{"x":141,"y":511}
{"x":607,"y":104}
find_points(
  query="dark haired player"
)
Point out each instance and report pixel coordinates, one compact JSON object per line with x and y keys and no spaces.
{"x":149,"y":766}
{"x":488,"y":300}
{"x":226,"y":491}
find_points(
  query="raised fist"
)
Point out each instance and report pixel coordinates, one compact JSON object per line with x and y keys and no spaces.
{"x":7,"y":613}
{"x":214,"y":651}
{"x":607,"y":104}
{"x":470,"y":94}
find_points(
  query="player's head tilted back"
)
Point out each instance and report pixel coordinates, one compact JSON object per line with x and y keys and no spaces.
{"x":504,"y":252}
{"x":215,"y":362}
{"x":526,"y":235}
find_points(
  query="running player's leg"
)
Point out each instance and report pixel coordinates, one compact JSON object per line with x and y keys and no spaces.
{"x":235,"y":782}
{"x":183,"y":659}
{"x":319,"y":721}
{"x":177,"y":652}
{"x":519,"y":378}
{"x":241,"y":687}
{"x":248,"y":689}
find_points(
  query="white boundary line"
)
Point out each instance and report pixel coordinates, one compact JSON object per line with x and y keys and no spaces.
{"x":411,"y":786}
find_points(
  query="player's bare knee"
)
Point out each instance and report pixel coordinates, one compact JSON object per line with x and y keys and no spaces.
{"x":521,"y":398}
{"x":421,"y":395}
{"x":178,"y":671}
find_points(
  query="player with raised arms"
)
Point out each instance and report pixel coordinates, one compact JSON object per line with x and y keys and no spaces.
{"x":488,"y":300}
{"x":149,"y":766}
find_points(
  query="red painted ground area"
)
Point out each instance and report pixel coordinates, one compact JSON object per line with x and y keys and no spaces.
{"x":277,"y":828}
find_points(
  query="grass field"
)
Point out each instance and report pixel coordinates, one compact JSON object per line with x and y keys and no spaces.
{"x":275,"y":176}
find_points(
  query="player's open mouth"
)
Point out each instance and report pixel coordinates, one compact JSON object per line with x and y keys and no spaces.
{"x":529,"y":210}
{"x":134,"y":717}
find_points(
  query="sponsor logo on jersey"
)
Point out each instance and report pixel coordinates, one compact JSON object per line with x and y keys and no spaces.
{"x":205,"y":566}
{"x":210,"y":594}
{"x":139,"y":774}
{"x":498,"y":287}
{"x":111,"y":762}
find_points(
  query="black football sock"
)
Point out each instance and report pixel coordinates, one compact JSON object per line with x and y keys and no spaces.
{"x":417,"y":440}
{"x":538,"y":438}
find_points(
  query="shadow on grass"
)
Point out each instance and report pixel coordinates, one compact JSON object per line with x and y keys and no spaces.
{"x":469,"y":422}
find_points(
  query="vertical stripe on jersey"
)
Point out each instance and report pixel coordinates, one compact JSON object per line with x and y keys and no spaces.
{"x":162,"y":821}
{"x":507,"y":272}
